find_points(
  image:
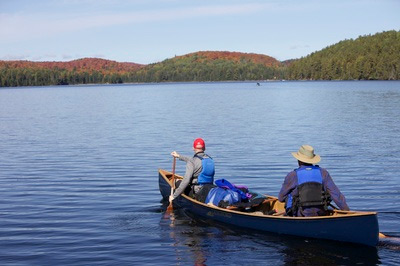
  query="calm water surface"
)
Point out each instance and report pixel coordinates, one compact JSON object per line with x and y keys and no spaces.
{"x":79,"y":181}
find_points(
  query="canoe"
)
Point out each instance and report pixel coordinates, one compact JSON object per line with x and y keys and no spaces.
{"x":346,"y":226}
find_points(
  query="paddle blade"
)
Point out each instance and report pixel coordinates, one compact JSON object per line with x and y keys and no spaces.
{"x":169,"y":211}
{"x":170,"y":208}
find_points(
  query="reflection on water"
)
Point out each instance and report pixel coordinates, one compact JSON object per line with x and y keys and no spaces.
{"x":204,"y":242}
{"x":313,"y":252}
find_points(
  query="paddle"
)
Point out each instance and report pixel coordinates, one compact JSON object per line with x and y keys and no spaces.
{"x":170,"y":207}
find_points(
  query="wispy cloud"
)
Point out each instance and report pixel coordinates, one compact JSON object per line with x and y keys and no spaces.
{"x":299,"y":46}
{"x":21,"y":26}
{"x":15,"y":57}
{"x":44,"y":57}
{"x":66,"y":56}
{"x":29,"y":57}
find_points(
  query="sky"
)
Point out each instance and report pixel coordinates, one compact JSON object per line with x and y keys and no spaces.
{"x":150,"y":31}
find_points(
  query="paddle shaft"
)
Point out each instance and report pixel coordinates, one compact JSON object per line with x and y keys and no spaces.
{"x":173,"y":177}
{"x":170,"y":207}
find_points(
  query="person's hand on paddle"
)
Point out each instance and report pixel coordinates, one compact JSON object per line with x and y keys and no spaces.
{"x":171,"y":198}
{"x":175,"y":154}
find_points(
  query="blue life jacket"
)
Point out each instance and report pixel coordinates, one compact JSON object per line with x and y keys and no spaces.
{"x":310,"y":189}
{"x":208,"y":170}
{"x":308,"y":174}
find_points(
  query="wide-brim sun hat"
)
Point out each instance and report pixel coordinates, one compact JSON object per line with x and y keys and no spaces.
{"x":306,"y":154}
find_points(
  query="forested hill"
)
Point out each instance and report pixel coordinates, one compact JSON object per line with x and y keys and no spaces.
{"x":365,"y":58}
{"x":236,"y":57}
{"x":81,"y":71}
{"x":368,"y":57}
{"x":84,"y":64}
{"x":213,"y":66}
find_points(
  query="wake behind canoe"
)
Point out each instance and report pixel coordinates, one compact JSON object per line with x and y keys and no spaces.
{"x":346,"y":226}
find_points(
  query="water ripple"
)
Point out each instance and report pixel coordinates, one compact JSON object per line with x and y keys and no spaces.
{"x":78,"y":168}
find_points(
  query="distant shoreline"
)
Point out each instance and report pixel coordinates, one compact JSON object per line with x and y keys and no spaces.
{"x":192,"y":82}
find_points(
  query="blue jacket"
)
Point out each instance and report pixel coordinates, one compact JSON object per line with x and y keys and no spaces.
{"x":290,"y":184}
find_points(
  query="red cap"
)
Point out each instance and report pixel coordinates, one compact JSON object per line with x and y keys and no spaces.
{"x":199,"y":144}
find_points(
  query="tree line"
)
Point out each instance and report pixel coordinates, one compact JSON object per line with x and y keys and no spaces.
{"x":375,"y":57}
{"x":198,"y":67}
{"x":13,"y":77}
{"x":370,"y":57}
{"x":81,"y":71}
{"x":201,"y":66}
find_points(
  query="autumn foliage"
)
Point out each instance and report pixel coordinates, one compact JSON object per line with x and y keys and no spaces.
{"x":366,"y":58}
{"x":80,"y":65}
{"x":236,"y":57}
{"x":81,"y":71}
{"x":200,"y":66}
{"x":213,"y":66}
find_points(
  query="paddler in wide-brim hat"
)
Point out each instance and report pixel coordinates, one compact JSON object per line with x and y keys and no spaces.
{"x":307,"y":190}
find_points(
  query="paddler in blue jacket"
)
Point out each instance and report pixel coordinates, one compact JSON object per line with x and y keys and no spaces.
{"x":199,"y":169}
{"x":308,"y":189}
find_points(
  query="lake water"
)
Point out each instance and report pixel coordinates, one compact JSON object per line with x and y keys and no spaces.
{"x":79,"y":168}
